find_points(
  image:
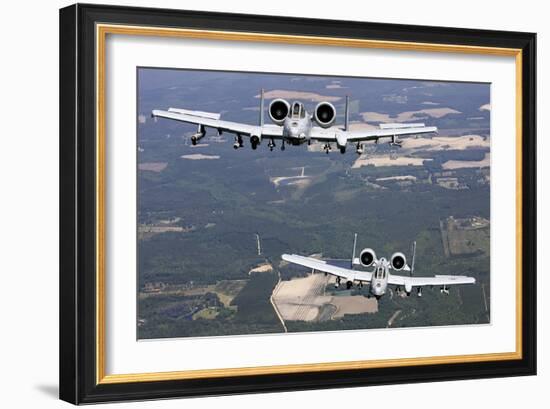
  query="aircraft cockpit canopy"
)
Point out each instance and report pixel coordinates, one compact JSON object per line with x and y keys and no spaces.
{"x":297,"y":111}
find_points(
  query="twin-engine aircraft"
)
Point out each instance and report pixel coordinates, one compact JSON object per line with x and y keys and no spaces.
{"x":380,"y":277}
{"x":294,"y":125}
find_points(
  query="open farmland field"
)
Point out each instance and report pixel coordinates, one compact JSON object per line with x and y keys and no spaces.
{"x":305,"y":299}
{"x":353,"y":304}
{"x":300,"y":299}
{"x":465,"y":236}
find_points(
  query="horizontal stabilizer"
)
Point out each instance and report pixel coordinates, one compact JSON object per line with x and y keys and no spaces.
{"x":200,"y":114}
{"x":401,"y":126}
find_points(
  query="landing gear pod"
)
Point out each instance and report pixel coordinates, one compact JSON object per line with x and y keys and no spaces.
{"x":238,"y":142}
{"x":201,"y":132}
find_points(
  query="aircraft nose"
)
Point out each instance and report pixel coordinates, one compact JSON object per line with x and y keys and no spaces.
{"x":293,"y":132}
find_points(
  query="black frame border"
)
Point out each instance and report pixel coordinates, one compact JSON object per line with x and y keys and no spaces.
{"x":78,"y":197}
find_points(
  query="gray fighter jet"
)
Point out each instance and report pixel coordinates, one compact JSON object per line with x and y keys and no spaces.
{"x":294,"y":125}
{"x":380,"y":277}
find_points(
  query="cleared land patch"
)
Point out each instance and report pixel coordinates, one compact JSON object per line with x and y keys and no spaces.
{"x":439,"y":143}
{"x":209,"y":313}
{"x":469,"y":236}
{"x":408,"y":115}
{"x":199,"y":156}
{"x":146,"y":231}
{"x":227,"y":290}
{"x":398,"y":178}
{"x":304,"y":299}
{"x":353,"y":304}
{"x":302,"y":95}
{"x":262,"y":268}
{"x":299,"y":299}
{"x":386,"y":160}
{"x":153,"y":166}
{"x":459,"y":164}
{"x":361,"y":126}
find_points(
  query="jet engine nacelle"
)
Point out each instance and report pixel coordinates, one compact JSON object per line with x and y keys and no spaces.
{"x":398,"y":261}
{"x":367,"y":257}
{"x":278,"y":110}
{"x":324,"y":114}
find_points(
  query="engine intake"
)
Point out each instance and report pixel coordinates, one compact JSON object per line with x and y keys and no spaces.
{"x":325,"y":114}
{"x":367,"y":257}
{"x":398,"y":261}
{"x":278,"y":110}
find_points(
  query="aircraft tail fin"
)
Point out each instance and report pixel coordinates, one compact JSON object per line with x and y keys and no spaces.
{"x":413,"y":257}
{"x":346,"y":115}
{"x":353,"y":253}
{"x":262,"y":108}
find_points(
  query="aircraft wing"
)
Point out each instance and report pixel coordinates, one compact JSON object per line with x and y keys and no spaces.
{"x":212,"y":120}
{"x":436,"y":280}
{"x":384,"y":131}
{"x":328,"y":266}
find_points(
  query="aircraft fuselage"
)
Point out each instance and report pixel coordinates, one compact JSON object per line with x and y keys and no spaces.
{"x":297,"y":130}
{"x":379,"y":282}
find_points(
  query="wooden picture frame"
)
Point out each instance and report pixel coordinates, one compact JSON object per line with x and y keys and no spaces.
{"x":83,"y":29}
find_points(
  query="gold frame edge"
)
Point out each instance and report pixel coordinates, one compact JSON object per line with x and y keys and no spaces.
{"x":101,"y":32}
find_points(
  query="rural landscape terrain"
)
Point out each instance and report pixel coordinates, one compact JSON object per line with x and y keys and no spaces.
{"x":214,"y":221}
